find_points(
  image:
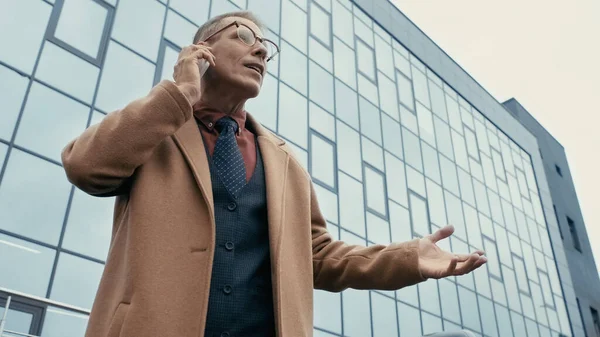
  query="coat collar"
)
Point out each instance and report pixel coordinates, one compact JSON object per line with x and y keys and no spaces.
{"x":275,"y":161}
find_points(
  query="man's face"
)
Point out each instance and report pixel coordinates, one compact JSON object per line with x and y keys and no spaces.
{"x":236,"y":62}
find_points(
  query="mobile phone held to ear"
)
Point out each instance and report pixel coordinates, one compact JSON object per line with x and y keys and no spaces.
{"x":203,"y":66}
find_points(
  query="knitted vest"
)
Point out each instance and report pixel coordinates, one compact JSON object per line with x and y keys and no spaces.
{"x":241,"y":298}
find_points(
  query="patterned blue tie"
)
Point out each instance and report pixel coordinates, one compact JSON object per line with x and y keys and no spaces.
{"x":228,"y":158}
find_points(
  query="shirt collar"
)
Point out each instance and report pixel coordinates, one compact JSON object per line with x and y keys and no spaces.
{"x":209,"y":118}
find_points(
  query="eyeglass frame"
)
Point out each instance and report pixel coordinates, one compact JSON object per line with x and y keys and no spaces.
{"x":256,"y":37}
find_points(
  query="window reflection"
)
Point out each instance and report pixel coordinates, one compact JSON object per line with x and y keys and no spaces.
{"x":19,"y":258}
{"x":12,"y":92}
{"x":32,"y":183}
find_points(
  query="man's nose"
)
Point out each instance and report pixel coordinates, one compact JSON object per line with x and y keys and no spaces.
{"x":260,"y":51}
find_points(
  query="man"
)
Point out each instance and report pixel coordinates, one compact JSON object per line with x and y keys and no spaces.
{"x":217,"y":230}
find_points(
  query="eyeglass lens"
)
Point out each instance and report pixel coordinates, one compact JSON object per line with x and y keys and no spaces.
{"x":246,"y":35}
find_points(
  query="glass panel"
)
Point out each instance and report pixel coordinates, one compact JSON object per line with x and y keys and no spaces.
{"x":444,"y":141}
{"x":481,"y":134}
{"x":346,"y":104}
{"x":384,"y":56}
{"x":468,"y":306}
{"x":504,"y":325}
{"x":438,"y":103}
{"x":449,"y":300}
{"x":488,"y":318}
{"x":449,"y":175}
{"x":415,"y":181}
{"x":532,"y":328}
{"x":46,"y":107}
{"x":320,"y":24}
{"x":431,"y":163}
{"x":352,"y":214}
{"x":400,"y":223}
{"x":498,"y":291}
{"x":293,"y":116}
{"x":76,"y":280}
{"x":392,"y":138}
{"x":426,"y":131}
{"x":522,"y":281}
{"x":409,"y":320}
{"x":349,"y":159}
{"x":344,"y":63}
{"x":328,"y":310}
{"x":372,"y":154}
{"x":12,"y":92}
{"x":301,"y":4}
{"x":321,"y":86}
{"x":488,"y":172}
{"x":25,"y":266}
{"x":370,"y":124}
{"x":430,"y":300}
{"x":396,"y":181}
{"x":405,"y":91}
{"x":472,"y":226}
{"x":435,"y":198}
{"x":401,"y":63}
{"x":295,"y":29}
{"x":418,"y":215}
{"x":421,"y":87}
{"x":67,"y":72}
{"x":518,"y":324}
{"x":378,"y":230}
{"x":31,"y":183}
{"x":412,"y":149}
{"x":466,"y":186}
{"x":328,"y":203}
{"x":139,"y":25}
{"x":375,"y":187}
{"x":60,"y":323}
{"x":169,"y":61}
{"x":293,"y":68}
{"x":496,"y":209}
{"x":17,"y":321}
{"x":89,"y":225}
{"x":125,"y":77}
{"x":498,"y":164}
{"x":453,"y":114}
{"x":472,"y":146}
{"x":366,"y":59}
{"x":455,"y":215}
{"x":460,"y":151}
{"x":320,"y":54}
{"x":177,"y":29}
{"x":321,"y":121}
{"x":482,"y":281}
{"x":388,"y":98}
{"x":343,"y":26}
{"x":384,"y":315}
{"x":357,"y":316}
{"x":368,"y":89}
{"x":197,"y":10}
{"x":81,"y":24}
{"x":322,"y":160}
{"x":481,"y":197}
{"x":363,"y":31}
{"x":512,"y":292}
{"x":262,"y":106}
{"x":431,"y":324}
{"x":29,"y":19}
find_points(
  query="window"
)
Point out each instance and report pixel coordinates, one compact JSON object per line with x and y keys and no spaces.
{"x":262,"y":106}
{"x":167,"y":58}
{"x":349,"y":155}
{"x":375,"y":190}
{"x":328,"y":311}
{"x":574,"y":235}
{"x":294,"y":68}
{"x":418,"y":214}
{"x":295,"y":28}
{"x":320,"y":86}
{"x":346,"y":104}
{"x":322,"y":164}
{"x":293,"y":121}
{"x":12,"y":91}
{"x":320,"y":24}
{"x":396,"y":182}
{"x":344,"y":63}
{"x":356,"y":312}
{"x":75,"y":270}
{"x":596,"y":320}
{"x":366,"y":60}
{"x":558,"y":170}
{"x":370,"y":124}
{"x":352,"y":207}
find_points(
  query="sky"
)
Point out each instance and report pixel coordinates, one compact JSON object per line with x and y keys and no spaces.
{"x":544,"y":53}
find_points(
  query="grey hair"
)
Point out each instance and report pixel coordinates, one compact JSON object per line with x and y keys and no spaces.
{"x":214,"y":24}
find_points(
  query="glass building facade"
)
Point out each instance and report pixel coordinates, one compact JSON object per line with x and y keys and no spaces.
{"x":399,"y":140}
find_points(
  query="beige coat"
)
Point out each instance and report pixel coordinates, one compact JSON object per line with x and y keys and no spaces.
{"x":156,"y":279}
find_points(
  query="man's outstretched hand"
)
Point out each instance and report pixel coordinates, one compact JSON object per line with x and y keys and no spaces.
{"x":437,"y":263}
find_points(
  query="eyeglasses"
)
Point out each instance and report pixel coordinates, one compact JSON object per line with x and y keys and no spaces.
{"x":249,"y":37}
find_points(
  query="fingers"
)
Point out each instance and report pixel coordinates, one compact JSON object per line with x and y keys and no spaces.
{"x":441,"y":233}
{"x":198,"y":51}
{"x":473,"y":262}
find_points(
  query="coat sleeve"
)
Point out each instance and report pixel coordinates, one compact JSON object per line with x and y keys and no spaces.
{"x":104,"y":157}
{"x":338,"y":266}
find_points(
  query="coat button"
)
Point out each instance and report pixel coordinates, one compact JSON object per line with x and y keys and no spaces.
{"x":227,"y":289}
{"x":229,"y":245}
{"x":232,"y":206}
{"x":225,"y":334}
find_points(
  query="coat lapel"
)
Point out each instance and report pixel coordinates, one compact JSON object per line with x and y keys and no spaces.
{"x":275,"y":162}
{"x":189,"y":140}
